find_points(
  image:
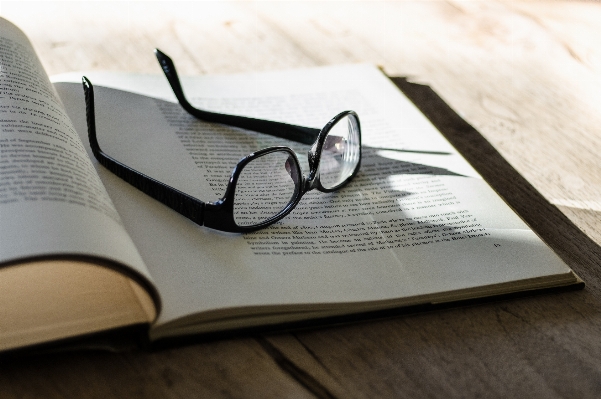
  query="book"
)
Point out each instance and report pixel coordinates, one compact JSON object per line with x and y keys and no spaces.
{"x":83,"y":252}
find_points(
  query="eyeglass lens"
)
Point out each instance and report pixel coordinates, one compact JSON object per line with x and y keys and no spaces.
{"x":265,"y":187}
{"x":340,"y":153}
{"x":269,"y":183}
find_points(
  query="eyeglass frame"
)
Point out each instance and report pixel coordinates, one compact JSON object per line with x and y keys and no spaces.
{"x":219,"y":215}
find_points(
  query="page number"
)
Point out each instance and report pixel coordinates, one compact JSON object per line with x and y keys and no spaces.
{"x":497,"y":245}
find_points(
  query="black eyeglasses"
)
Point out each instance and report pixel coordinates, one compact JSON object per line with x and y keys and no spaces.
{"x":265,"y":185}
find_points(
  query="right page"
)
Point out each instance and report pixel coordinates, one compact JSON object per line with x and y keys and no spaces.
{"x":417,"y":225}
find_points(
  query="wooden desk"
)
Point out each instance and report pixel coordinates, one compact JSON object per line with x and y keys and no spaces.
{"x":526,"y":75}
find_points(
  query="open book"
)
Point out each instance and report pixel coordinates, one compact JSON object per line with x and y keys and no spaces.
{"x":82,"y":251}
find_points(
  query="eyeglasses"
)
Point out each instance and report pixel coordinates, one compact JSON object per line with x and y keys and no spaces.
{"x":264,"y":186}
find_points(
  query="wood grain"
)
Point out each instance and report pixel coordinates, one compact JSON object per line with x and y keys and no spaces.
{"x":526,"y":75}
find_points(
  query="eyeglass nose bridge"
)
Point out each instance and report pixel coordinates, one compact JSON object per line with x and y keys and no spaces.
{"x":311,"y":181}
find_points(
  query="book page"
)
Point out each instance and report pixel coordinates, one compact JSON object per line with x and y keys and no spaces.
{"x":67,"y":265}
{"x":416,"y":221}
{"x":46,"y":300}
{"x":51,"y":199}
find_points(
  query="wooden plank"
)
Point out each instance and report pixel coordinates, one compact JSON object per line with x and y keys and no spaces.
{"x":228,"y":368}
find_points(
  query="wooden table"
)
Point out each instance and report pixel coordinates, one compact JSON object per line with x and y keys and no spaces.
{"x":526,"y":75}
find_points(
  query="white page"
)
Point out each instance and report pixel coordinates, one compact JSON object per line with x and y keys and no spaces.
{"x":52,"y":202}
{"x":417,"y":219}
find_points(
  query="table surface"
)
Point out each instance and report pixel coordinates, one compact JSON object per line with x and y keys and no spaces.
{"x":526,"y":75}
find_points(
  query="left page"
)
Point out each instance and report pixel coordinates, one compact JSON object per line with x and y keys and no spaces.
{"x":56,"y":219}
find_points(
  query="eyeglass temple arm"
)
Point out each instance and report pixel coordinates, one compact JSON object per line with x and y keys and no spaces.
{"x":180,"y":202}
{"x":301,"y":134}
